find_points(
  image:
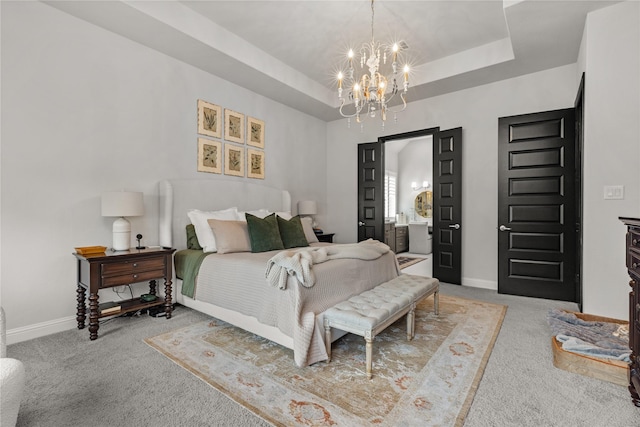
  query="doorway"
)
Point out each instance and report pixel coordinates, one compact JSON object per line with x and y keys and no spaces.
{"x":446,"y":208}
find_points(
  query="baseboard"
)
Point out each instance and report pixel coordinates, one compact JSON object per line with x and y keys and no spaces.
{"x":40,"y":329}
{"x":479,"y":283}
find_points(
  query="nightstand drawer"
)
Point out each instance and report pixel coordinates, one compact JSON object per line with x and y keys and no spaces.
{"x":133,"y":267}
{"x":126,"y":279}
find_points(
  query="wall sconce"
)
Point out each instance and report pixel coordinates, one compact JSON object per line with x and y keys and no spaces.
{"x":414,"y":185}
{"x":121,"y":204}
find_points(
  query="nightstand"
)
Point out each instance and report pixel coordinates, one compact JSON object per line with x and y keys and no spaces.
{"x":109,"y":269}
{"x":325,"y":237}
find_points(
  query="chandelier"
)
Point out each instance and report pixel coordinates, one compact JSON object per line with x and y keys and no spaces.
{"x":370,"y":93}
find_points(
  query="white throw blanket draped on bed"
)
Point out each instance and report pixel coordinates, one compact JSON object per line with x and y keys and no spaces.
{"x":299,"y":263}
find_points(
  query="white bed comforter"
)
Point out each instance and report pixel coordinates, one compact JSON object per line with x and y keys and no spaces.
{"x":237,"y":282}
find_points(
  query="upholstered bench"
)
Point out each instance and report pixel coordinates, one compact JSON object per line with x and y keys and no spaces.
{"x":370,"y":312}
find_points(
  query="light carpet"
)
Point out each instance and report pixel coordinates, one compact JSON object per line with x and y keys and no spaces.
{"x":430,"y":380}
{"x":405,"y":261}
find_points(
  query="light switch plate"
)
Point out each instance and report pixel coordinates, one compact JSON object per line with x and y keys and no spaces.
{"x":614,"y":192}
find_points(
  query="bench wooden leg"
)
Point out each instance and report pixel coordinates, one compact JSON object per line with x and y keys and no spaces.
{"x":327,"y":340}
{"x":369,"y":352}
{"x":411,"y":322}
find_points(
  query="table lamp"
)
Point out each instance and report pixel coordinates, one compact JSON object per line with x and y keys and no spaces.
{"x":308,"y":208}
{"x":121,"y":204}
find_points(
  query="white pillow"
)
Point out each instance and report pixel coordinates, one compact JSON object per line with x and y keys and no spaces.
{"x":284,"y":215}
{"x":203,"y":231}
{"x":308,"y":230}
{"x":260,"y":213}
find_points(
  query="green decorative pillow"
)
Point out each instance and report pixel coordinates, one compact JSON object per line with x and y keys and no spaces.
{"x":192,"y":239}
{"x":291,"y":232}
{"x":264,"y":233}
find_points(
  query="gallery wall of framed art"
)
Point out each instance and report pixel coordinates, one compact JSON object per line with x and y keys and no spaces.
{"x":230,"y":142}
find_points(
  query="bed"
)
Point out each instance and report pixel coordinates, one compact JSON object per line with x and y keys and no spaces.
{"x":232,"y":286}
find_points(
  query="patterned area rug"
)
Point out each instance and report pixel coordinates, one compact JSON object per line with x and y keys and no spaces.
{"x":429,"y":381}
{"x":405,"y":261}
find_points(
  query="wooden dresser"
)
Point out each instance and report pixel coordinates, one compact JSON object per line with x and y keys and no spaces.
{"x":633,"y":266}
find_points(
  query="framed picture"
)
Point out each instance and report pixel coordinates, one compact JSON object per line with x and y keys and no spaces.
{"x":233,"y":126}
{"x":255,"y":134}
{"x":209,"y":156}
{"x":233,"y":160}
{"x":255,"y":163}
{"x":209,"y":119}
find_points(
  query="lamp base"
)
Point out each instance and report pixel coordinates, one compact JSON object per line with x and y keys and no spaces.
{"x":121,"y":234}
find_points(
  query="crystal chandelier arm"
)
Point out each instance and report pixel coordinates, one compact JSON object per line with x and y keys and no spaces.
{"x":404,"y":104}
{"x":356,"y":112}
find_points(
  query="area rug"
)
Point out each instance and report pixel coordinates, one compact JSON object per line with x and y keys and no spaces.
{"x":429,"y":381}
{"x":405,"y":261}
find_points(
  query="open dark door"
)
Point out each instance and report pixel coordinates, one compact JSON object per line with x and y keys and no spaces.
{"x":537,"y":206}
{"x":447,"y":206}
{"x":370,"y":192}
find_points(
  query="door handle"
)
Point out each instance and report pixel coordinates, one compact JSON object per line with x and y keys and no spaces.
{"x":360,"y":223}
{"x":503,"y":228}
{"x":456,"y":226}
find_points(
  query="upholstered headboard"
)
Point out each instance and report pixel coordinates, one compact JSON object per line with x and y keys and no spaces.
{"x":176,"y":197}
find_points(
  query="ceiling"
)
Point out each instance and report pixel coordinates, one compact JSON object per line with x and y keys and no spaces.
{"x":290,"y":51}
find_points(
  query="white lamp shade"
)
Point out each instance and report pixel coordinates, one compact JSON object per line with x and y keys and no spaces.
{"x":122,"y":203}
{"x":307,"y":207}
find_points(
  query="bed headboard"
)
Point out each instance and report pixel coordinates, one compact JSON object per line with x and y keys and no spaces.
{"x":178,"y":196}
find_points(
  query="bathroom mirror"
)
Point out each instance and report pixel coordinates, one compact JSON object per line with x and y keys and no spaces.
{"x":424,"y":204}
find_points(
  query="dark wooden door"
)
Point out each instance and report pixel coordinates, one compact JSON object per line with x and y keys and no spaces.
{"x":447,"y":206}
{"x":370,"y":191}
{"x":536,"y":205}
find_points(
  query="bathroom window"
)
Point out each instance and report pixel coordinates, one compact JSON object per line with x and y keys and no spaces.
{"x":390,"y":179}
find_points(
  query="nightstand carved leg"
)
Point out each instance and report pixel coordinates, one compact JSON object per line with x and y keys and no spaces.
{"x":152,"y":287}
{"x":93,"y":316}
{"x":81,"y":308}
{"x":167,"y":298}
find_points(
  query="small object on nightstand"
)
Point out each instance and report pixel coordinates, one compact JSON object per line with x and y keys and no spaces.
{"x":138,"y":238}
{"x":148,"y":297}
{"x":325,"y":237}
{"x":91,"y":250}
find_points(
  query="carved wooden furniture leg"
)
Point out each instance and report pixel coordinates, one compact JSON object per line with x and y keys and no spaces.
{"x":167,"y":298}
{"x":327,"y":339}
{"x":411,"y":320}
{"x":81,"y":308}
{"x":369,"y":352}
{"x":152,"y":287}
{"x":93,"y":316}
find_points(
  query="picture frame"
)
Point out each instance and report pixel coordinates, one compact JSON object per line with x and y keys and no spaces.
{"x":233,"y":160}
{"x":209,"y":156}
{"x":255,"y":163}
{"x":209,"y":119}
{"x":233,"y":126}
{"x":255,"y":132}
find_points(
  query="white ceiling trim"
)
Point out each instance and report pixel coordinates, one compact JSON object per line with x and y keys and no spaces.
{"x":186,"y":21}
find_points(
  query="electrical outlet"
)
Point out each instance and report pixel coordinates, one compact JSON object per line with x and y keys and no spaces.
{"x":614,"y":192}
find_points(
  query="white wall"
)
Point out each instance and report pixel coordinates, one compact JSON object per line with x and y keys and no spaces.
{"x":86,"y":111}
{"x":610,"y":58}
{"x":477,"y":111}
